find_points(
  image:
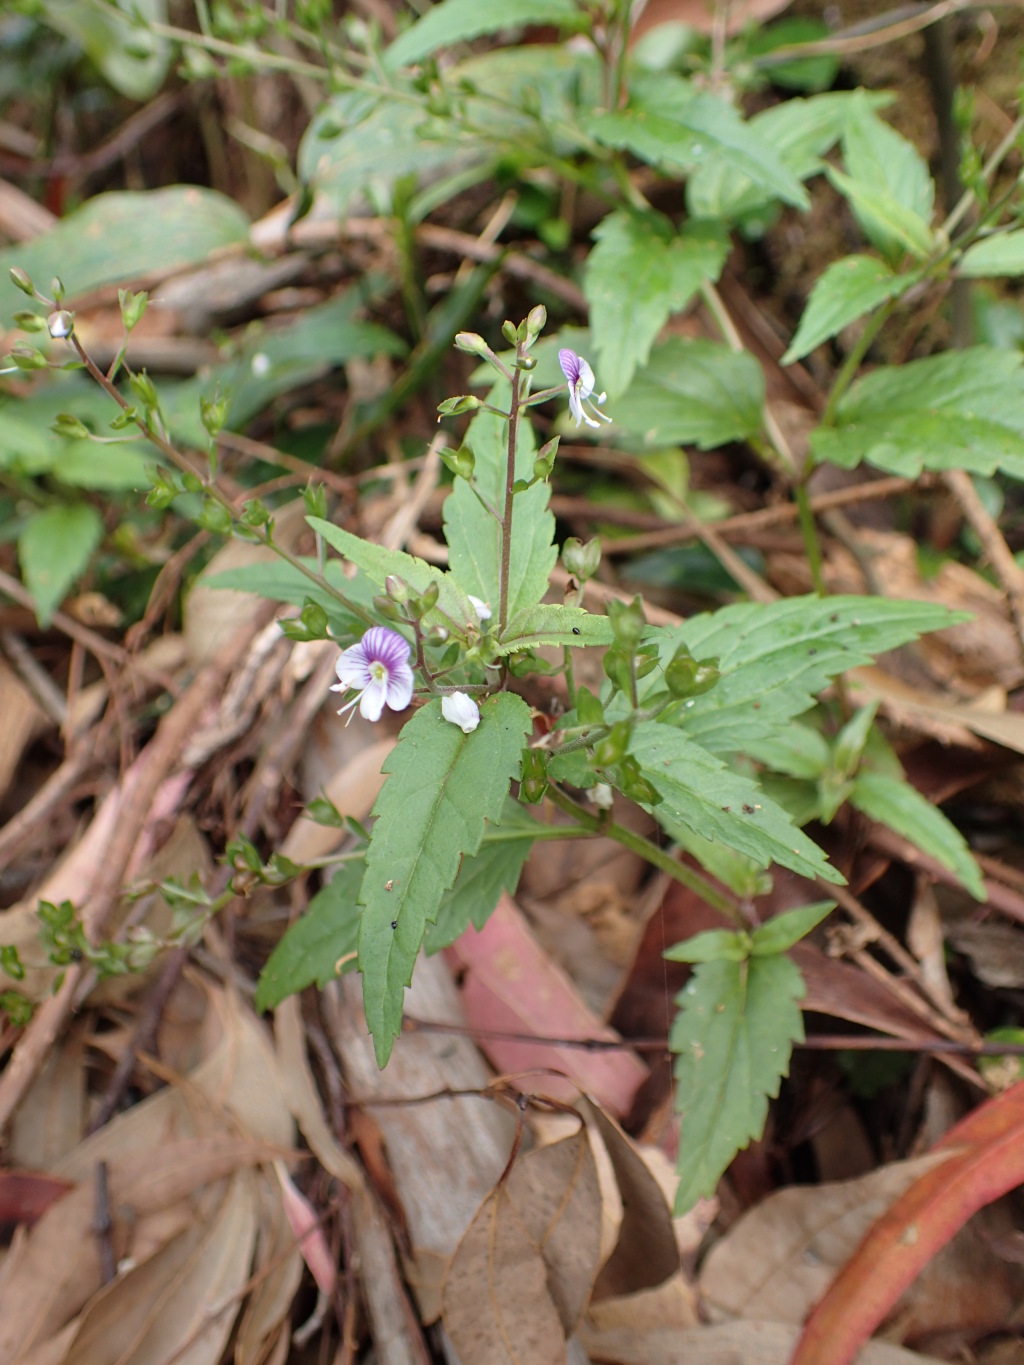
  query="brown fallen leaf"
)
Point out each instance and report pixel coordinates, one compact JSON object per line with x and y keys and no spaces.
{"x":279,"y":1266}
{"x":494,"y":1300}
{"x":730,"y":1343}
{"x":646,"y":1252}
{"x":554,"y":1190}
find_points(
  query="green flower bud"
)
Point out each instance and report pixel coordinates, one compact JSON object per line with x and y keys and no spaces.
{"x":314,"y":618}
{"x":632,"y":783}
{"x":384,"y":606}
{"x":628,"y":622}
{"x":29,"y":321}
{"x":213,"y":413}
{"x":461,"y":462}
{"x":618,"y":667}
{"x":454,"y":407}
{"x":536,"y":321}
{"x":582,"y":558}
{"x":67,"y":425}
{"x":612,"y":748}
{"x":471,"y":342}
{"x":132,"y":307}
{"x":21,"y":280}
{"x":534,"y":780}
{"x":314,"y":495}
{"x":144,"y":390}
{"x":509,"y":332}
{"x":214,"y":517}
{"x":397,"y":589}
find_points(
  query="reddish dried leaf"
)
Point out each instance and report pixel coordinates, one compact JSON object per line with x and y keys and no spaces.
{"x":986,"y":1160}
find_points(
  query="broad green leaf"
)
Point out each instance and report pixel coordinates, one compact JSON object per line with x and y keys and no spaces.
{"x":775,"y":659}
{"x":553,"y":624}
{"x":735,"y":870}
{"x":122,"y":46}
{"x":443,"y":788}
{"x":779,"y":934}
{"x":700,"y":793}
{"x":459,"y":21}
{"x":693,"y":391}
{"x":1000,"y":254}
{"x":887,"y":223}
{"x":54,"y":549}
{"x":30,"y":446}
{"x":732,"y":1038}
{"x":844,"y":292}
{"x":641,"y":272}
{"x":472,"y":532}
{"x":674,"y":125}
{"x":893,"y":802}
{"x":800,"y":130}
{"x":482,"y":878}
{"x":714,"y":945}
{"x":795,"y":749}
{"x":319,"y":946}
{"x":962,"y":410}
{"x":876,"y":156}
{"x":127,"y":234}
{"x":377,"y":562}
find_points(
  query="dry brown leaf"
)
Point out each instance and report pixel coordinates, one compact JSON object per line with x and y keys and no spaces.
{"x":55,"y":1270}
{"x":494,"y":1300}
{"x":996,"y":952}
{"x":930,"y":713}
{"x":180,"y":1306}
{"x":50,"y":1121}
{"x":270,"y":1302}
{"x":731,"y":1343}
{"x":555,"y":1192}
{"x":777,"y":1260}
{"x":670,"y":1308}
{"x":646,"y":1252}
{"x":23,"y":717}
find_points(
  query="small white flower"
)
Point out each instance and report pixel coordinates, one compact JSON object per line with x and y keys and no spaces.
{"x":379,"y":667}
{"x":260,"y":364}
{"x":581,"y":386}
{"x":481,"y":608}
{"x":60,"y":324}
{"x":602,"y":796}
{"x":461,"y":710}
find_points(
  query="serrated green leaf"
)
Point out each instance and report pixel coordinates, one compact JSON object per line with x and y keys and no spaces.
{"x":471,"y":531}
{"x":493,"y":869}
{"x":713,"y":945}
{"x":877,"y":157}
{"x":962,"y":410}
{"x":733,"y":1038}
{"x":894,"y":803}
{"x":443,"y":787}
{"x":126,"y":234}
{"x":550,"y":623}
{"x":844,"y":292}
{"x":459,"y":21}
{"x":640,"y":272}
{"x":794,"y":749}
{"x":377,"y":562}
{"x":887,"y":223}
{"x":773,"y":660}
{"x":1000,"y":254}
{"x":800,"y":130}
{"x":320,"y":945}
{"x":672,"y":124}
{"x":779,"y":933}
{"x":700,"y":793}
{"x":54,"y":549}
{"x":694,"y":391}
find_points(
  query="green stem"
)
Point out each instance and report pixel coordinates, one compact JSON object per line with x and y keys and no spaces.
{"x":812,"y":541}
{"x":185,"y":466}
{"x":651,"y":853}
{"x":510,"y":478}
{"x":851,"y":364}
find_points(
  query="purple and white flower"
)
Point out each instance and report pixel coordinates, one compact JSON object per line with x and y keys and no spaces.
{"x":581,"y":386}
{"x":379,"y":667}
{"x":461,"y":710}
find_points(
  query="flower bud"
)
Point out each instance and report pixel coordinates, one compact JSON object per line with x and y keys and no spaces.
{"x":60,"y":324}
{"x":582,"y":558}
{"x":132,"y":307}
{"x":460,"y":709}
{"x":21,"y":280}
{"x":471,"y":342}
{"x":461,"y":462}
{"x":536,"y":321}
{"x":397,"y":589}
{"x":628,"y":622}
{"x":612,"y":748}
{"x":533,"y":782}
{"x":454,"y":407}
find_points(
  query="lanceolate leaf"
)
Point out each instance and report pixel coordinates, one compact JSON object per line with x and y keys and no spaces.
{"x":442,"y":790}
{"x":640,"y":272}
{"x":732,"y":1038}
{"x":54,"y":548}
{"x":459,"y":21}
{"x":320,"y":945}
{"x":472,"y":531}
{"x":846,"y":291}
{"x":376,"y":563}
{"x":700,"y":793}
{"x":878,"y":157}
{"x":893,"y":802}
{"x":1000,"y":254}
{"x":775,"y":659}
{"x":961,"y":410}
{"x":694,"y":391}
{"x":887,"y":223}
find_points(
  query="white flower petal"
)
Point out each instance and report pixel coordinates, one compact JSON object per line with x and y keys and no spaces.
{"x":481,"y":608}
{"x":585,"y":383}
{"x":371,"y":702}
{"x":461,"y":710}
